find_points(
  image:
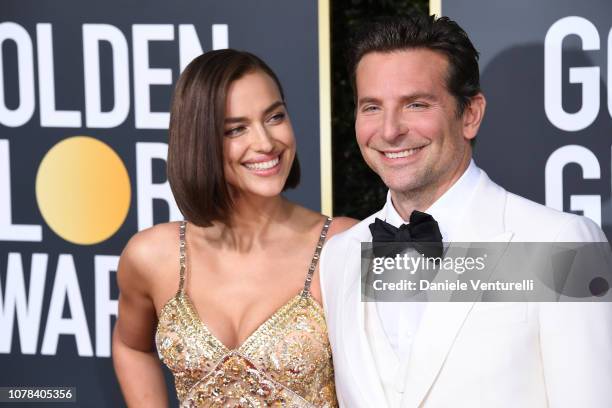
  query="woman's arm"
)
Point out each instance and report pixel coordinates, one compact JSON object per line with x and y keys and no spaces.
{"x":135,"y":360}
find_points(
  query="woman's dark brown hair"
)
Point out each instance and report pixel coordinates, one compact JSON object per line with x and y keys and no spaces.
{"x":195,"y":149}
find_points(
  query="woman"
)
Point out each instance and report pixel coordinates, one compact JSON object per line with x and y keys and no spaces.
{"x":232,"y":294}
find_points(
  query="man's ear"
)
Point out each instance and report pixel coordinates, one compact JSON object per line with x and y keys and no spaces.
{"x":473,"y":115}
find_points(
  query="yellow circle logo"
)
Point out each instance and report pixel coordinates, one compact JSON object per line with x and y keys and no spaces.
{"x":83,"y":190}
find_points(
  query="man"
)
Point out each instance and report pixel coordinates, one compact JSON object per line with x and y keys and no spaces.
{"x":418,"y":110}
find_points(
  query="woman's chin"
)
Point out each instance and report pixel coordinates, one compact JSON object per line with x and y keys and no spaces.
{"x":261,"y":192}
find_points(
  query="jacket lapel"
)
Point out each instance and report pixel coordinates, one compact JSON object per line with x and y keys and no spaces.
{"x":357,"y":354}
{"x":483,"y":221}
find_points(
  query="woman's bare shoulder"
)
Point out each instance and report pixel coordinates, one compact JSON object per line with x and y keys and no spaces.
{"x":149,"y":251}
{"x":153,"y":243}
{"x":341,"y":224}
{"x":314,"y":219}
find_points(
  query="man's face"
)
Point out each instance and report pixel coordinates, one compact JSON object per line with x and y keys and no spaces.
{"x":406,"y":122}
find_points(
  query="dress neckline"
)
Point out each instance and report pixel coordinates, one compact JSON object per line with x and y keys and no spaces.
{"x":271,"y":321}
{"x":303,"y":298}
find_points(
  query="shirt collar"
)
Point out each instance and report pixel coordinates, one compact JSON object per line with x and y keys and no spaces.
{"x":446,"y":209}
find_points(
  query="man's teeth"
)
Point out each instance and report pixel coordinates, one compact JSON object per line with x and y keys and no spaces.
{"x":262,"y":165}
{"x":404,"y":153}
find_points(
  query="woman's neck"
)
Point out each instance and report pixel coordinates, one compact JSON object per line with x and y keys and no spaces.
{"x":251,"y":222}
{"x":254,"y":214}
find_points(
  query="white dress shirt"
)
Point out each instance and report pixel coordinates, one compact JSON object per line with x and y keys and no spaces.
{"x":400,"y":320}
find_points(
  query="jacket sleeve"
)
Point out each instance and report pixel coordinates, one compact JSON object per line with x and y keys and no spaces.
{"x":576,"y":339}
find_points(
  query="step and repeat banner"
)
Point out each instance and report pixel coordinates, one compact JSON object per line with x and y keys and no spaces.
{"x":546,"y":70}
{"x":85,"y":89}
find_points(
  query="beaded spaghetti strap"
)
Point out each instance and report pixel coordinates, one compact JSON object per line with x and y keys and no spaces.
{"x":315,"y":258}
{"x":182,"y":227}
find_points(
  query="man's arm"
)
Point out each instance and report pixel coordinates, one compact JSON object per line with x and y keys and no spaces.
{"x":330,"y":272}
{"x":576,"y":339}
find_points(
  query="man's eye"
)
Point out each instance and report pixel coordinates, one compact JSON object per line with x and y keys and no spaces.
{"x":369,"y":108}
{"x":234,"y":131}
{"x":416,"y":105}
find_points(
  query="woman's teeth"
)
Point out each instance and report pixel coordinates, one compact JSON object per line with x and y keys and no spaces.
{"x":262,"y":165}
{"x":403,"y":153}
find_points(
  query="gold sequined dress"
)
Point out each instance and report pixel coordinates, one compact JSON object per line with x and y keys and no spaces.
{"x":285,"y":362}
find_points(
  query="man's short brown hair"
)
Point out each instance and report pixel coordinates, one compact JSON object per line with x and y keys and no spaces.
{"x":420,"y":31}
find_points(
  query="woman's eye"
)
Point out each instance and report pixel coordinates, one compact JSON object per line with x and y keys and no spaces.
{"x":234,"y":131}
{"x":277,"y":117}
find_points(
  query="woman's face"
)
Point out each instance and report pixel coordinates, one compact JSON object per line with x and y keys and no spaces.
{"x":259,"y":146}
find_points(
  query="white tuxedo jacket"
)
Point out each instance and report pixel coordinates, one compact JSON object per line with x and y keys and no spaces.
{"x":478,"y":354}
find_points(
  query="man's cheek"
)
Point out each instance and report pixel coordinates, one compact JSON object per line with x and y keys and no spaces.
{"x":364,"y":132}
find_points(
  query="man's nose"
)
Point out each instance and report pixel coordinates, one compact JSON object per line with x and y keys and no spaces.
{"x":393,"y":126}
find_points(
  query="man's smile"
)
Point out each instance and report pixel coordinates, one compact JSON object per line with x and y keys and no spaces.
{"x":401,"y":153}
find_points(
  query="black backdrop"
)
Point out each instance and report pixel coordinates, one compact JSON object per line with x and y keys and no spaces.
{"x":58,"y":260}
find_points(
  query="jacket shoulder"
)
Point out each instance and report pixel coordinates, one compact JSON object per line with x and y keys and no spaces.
{"x":534,"y":221}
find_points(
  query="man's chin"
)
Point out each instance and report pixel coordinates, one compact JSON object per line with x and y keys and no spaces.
{"x":402,"y":187}
{"x":402,"y":183}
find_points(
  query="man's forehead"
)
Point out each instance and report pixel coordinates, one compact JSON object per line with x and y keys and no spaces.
{"x":413,"y":70}
{"x":403,"y":58}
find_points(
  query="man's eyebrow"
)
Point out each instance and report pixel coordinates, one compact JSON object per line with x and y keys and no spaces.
{"x":407,"y":97}
{"x":418,"y":95}
{"x":367,"y":99}
{"x":266,"y":111}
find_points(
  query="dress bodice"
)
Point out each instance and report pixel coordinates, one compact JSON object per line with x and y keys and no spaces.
{"x":285,"y":362}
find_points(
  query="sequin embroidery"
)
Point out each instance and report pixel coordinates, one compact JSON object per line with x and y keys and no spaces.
{"x":286,"y":362}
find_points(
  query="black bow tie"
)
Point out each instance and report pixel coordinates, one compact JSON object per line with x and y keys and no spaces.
{"x":422,"y":233}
